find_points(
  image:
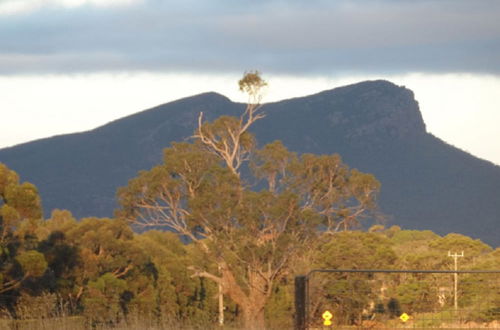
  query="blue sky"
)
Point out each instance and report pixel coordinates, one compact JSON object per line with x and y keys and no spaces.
{"x":72,"y":65}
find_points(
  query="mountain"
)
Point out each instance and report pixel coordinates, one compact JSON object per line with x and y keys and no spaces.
{"x":375,"y":126}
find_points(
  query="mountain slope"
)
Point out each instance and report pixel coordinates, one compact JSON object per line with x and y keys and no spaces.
{"x":375,"y":126}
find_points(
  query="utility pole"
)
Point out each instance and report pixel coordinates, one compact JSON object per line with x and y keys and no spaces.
{"x":455,"y":256}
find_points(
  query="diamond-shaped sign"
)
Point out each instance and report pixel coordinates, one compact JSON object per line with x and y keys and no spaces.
{"x":404,"y":317}
{"x":327,"y":317}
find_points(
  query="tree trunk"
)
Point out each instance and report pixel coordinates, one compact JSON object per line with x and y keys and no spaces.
{"x":253,"y":317}
{"x":251,"y":303}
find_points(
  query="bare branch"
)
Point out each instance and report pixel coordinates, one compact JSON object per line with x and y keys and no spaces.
{"x":117,"y":273}
{"x":228,"y":146}
{"x":202,"y":273}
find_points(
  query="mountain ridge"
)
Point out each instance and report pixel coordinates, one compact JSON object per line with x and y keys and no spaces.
{"x":376,"y":126}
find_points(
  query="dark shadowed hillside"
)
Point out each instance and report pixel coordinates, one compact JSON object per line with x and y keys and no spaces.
{"x":375,"y":126}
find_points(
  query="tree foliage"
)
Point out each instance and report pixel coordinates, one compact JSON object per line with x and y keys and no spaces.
{"x":20,"y":214}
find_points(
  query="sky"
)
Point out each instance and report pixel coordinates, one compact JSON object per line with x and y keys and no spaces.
{"x":73,"y":65}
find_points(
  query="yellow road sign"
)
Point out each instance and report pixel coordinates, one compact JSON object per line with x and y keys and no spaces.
{"x":327,"y":317}
{"x":404,"y":317}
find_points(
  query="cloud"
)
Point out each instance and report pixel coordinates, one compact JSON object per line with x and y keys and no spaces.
{"x":292,"y":37}
{"x":9,"y":7}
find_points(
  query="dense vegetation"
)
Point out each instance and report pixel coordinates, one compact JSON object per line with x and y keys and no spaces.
{"x":102,"y":270}
{"x":241,"y":222}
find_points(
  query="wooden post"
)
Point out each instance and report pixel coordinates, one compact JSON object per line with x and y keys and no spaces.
{"x":221,"y":304}
{"x":300,"y":303}
{"x":455,"y":256}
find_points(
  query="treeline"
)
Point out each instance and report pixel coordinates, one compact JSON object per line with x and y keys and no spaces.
{"x":101,"y":270}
